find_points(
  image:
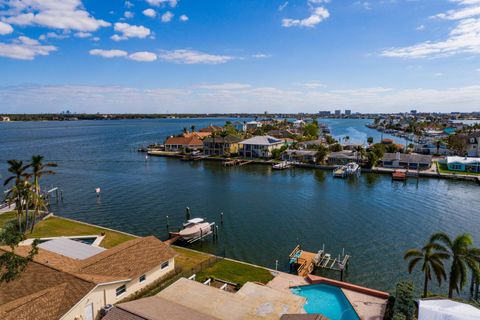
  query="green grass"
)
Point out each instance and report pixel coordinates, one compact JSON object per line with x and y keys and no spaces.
{"x":189,"y":259}
{"x":57,"y":227}
{"x":442,"y":168}
{"x":4,"y":217}
{"x":235,"y":272}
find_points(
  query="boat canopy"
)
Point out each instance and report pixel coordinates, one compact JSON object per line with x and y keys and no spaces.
{"x":194,"y":220}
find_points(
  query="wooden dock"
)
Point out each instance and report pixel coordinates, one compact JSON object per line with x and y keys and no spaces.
{"x":236,"y":162}
{"x":307,"y":261}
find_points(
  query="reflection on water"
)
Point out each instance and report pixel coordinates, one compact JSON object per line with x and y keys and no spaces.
{"x":266,"y":212}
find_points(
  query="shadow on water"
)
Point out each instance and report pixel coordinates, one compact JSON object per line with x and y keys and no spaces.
{"x":320,"y":175}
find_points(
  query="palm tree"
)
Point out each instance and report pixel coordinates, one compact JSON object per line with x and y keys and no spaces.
{"x":431,"y":256}
{"x":16,"y":193}
{"x":39,"y":169}
{"x":192,"y":128}
{"x":463,"y":257}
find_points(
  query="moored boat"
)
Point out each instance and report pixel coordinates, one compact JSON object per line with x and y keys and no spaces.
{"x":282,"y":165}
{"x":193,"y":229}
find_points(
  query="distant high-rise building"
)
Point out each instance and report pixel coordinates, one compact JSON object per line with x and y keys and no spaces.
{"x":338,"y":112}
{"x":348,"y":112}
{"x":414,"y":112}
{"x":324,"y":113}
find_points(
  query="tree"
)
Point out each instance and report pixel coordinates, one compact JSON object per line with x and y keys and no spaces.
{"x":457,"y":143}
{"x":463,"y":257}
{"x":335,"y":147}
{"x":329,"y":139}
{"x":192,"y":128}
{"x":404,"y":303}
{"x":12,"y":265}
{"x":17,"y":191}
{"x":39,"y":169}
{"x":370,"y":140}
{"x":321,"y":153}
{"x":431,"y":257}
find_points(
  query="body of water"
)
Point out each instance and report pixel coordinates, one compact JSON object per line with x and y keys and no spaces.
{"x":266,"y":212}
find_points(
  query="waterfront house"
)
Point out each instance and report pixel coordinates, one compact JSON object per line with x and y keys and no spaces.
{"x":259,"y":146}
{"x":252,"y":125}
{"x":343,"y":157}
{"x":433,"y":148}
{"x":473,"y":144}
{"x":407,"y":161}
{"x":298,"y":124}
{"x":4,"y":119}
{"x":282,"y":133}
{"x":198,"y":134}
{"x":62,"y":283}
{"x":310,"y":144}
{"x":220,"y":146}
{"x":463,"y":164}
{"x":240,"y":126}
{"x":306,"y":156}
{"x":176,"y":144}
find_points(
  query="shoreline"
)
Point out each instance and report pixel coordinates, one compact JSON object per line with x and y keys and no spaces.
{"x":378,"y":170}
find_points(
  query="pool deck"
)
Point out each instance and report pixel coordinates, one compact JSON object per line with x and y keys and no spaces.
{"x":369,"y":304}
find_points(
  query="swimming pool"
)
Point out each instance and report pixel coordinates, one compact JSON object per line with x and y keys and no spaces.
{"x":326,"y":300}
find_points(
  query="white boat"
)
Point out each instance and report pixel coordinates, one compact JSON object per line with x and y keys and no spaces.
{"x":349,"y":169}
{"x":282,"y":165}
{"x":352,"y":168}
{"x":195,"y":228}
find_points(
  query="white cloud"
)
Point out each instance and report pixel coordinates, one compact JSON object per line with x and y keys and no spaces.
{"x":261,"y":56}
{"x":82,"y":34}
{"x":158,"y":3}
{"x":283,"y":6}
{"x":312,"y":85}
{"x":224,"y":86}
{"x":186,"y":56}
{"x":150,"y":13}
{"x":183,"y":18}
{"x":464,"y":37}
{"x":317,"y":15}
{"x":167,"y":17}
{"x":65,"y":14}
{"x":54,"y":35}
{"x":108,"y":53}
{"x":420,"y":27}
{"x":128,"y":4}
{"x":24,"y":48}
{"x":144,"y":56}
{"x":5,"y":28}
{"x":129,"y":14}
{"x":129,"y":31}
{"x":231,"y":97}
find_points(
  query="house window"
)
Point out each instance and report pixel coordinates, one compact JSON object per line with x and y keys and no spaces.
{"x":142,"y":279}
{"x":120,"y":290}
{"x":164,"y":265}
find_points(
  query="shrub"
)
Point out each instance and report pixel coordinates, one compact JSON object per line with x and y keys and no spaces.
{"x":404,"y":303}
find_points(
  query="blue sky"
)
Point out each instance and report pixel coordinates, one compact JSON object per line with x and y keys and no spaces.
{"x":239,"y":55}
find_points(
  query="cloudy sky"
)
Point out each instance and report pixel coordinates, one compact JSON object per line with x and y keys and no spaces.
{"x":208,"y":56}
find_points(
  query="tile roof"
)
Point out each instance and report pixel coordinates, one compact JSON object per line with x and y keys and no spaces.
{"x":42,"y":291}
{"x":52,"y":284}
{"x":211,"y":128}
{"x":129,"y":259}
{"x":154,"y":308}
{"x":411,"y":158}
{"x":262,"y":141}
{"x":227,"y":139}
{"x":197,"y":134}
{"x":190,"y":141}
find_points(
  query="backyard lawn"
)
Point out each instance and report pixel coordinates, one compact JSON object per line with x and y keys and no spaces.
{"x":442,"y":168}
{"x":235,"y":272}
{"x":57,"y":227}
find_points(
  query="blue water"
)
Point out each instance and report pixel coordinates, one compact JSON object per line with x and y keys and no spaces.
{"x":326,"y":300}
{"x":266,"y":212}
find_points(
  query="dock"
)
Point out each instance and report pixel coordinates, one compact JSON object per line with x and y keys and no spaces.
{"x":307,"y":261}
{"x":236,"y":162}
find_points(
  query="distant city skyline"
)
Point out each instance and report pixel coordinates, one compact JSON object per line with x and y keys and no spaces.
{"x":207,"y":56}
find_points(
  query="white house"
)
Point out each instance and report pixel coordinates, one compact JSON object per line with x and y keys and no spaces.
{"x":77,"y":285}
{"x":252,"y":125}
{"x":463,"y":164}
{"x":473,"y":144}
{"x":259,"y":146}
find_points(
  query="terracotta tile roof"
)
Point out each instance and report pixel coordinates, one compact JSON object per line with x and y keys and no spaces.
{"x":129,"y":259}
{"x":211,"y":128}
{"x":197,"y":134}
{"x":191,"y":141}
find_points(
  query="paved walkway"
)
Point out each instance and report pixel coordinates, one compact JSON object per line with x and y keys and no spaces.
{"x":283,"y":281}
{"x":7,"y":209}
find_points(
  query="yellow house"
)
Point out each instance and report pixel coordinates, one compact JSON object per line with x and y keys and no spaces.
{"x":55,"y":286}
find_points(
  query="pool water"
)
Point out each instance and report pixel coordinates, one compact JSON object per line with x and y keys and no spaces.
{"x":326,"y":300}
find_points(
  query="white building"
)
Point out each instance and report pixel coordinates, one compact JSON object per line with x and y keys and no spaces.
{"x":259,"y":146}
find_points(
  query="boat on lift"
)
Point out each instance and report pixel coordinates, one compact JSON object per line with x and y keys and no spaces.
{"x":282,"y":165}
{"x":349,"y":169}
{"x":193,"y":229}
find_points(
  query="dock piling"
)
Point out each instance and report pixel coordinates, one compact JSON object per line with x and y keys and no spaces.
{"x":221,"y":218}
{"x":187,"y":213}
